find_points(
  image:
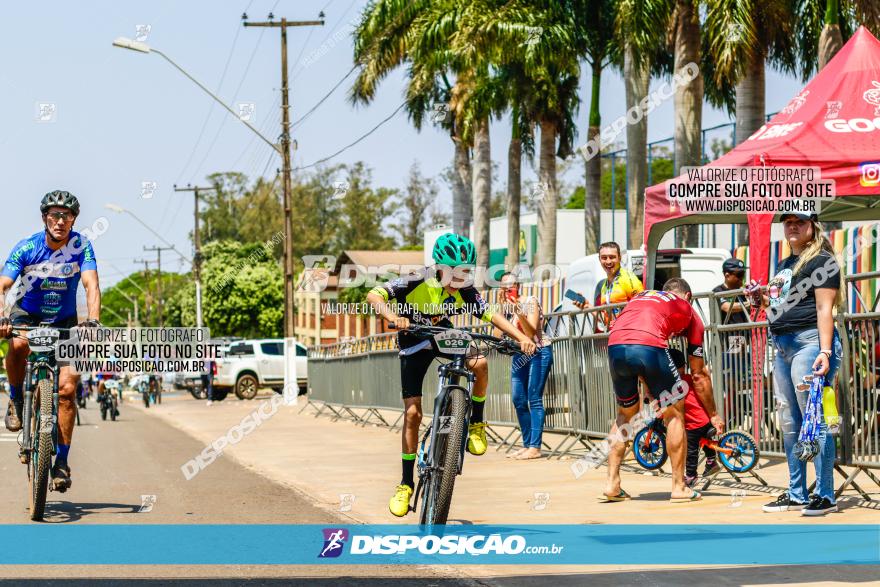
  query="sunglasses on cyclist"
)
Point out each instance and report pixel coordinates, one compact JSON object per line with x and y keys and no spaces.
{"x":61,"y":216}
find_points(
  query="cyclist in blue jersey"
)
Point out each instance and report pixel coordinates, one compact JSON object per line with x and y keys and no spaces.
{"x":48,"y":267}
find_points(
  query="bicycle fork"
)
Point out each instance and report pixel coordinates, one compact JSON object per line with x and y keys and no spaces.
{"x":24,"y":451}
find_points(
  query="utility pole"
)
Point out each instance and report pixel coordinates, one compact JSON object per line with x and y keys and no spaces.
{"x":148,"y":297}
{"x":197,"y":244}
{"x":289,"y":321}
{"x":159,"y":279}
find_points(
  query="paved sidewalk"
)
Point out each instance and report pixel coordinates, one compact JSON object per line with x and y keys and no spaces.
{"x":353,"y":470}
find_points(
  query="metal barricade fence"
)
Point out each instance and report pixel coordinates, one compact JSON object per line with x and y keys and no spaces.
{"x":861,"y":374}
{"x":579,"y":399}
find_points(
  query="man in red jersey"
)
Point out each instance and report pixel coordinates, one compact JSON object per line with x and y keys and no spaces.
{"x":638,"y":347}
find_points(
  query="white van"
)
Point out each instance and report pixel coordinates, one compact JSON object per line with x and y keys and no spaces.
{"x":700,"y":267}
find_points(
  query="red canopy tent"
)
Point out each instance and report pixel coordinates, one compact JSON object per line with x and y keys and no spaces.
{"x":833,"y":123}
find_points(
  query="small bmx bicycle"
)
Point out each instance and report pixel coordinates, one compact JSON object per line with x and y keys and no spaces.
{"x":737,"y":451}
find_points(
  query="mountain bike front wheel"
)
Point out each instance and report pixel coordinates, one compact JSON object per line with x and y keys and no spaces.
{"x":448,"y":441}
{"x":41,"y":458}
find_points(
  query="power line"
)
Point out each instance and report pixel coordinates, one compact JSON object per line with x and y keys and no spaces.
{"x":235,"y":95}
{"x":216,"y":91}
{"x":362,"y":137}
{"x":321,"y":101}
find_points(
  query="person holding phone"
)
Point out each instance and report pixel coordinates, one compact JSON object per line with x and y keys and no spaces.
{"x":528,"y":373}
{"x":800,"y":300}
{"x":620,"y":284}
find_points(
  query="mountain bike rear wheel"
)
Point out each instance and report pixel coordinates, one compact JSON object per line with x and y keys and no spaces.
{"x":744,"y":451}
{"x":650,"y":450}
{"x":447,"y":452}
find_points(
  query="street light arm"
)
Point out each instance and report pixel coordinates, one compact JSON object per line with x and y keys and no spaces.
{"x":207,"y":91}
{"x":116,"y":208}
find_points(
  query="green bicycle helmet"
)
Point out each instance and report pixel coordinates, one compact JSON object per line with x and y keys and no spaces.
{"x":453,"y":250}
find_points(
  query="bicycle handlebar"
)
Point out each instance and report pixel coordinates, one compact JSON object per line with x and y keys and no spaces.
{"x":503,"y":346}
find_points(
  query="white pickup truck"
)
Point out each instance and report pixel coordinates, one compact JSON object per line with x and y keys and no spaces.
{"x":250,"y":365}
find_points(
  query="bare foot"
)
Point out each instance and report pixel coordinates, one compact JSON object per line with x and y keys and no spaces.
{"x":517,"y":454}
{"x":531,"y":453}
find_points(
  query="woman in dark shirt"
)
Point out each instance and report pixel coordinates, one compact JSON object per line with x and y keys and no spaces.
{"x":800,"y":300}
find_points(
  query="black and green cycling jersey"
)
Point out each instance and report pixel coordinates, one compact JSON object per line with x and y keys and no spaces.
{"x":422,"y":299}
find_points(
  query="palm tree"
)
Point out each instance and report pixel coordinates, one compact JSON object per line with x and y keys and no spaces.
{"x":515,"y":83}
{"x":593,"y":29}
{"x":383,"y":41}
{"x":644,"y":54}
{"x":685,"y":29}
{"x":539,"y":36}
{"x":825,"y":25}
{"x":741,"y":37}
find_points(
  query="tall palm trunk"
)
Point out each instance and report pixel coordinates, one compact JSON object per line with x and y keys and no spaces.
{"x":482,"y":190}
{"x":514,"y":191}
{"x":830,"y":42}
{"x":593,"y":171}
{"x":831,"y":39}
{"x":461,"y":188}
{"x":688,"y":102}
{"x":549,"y":202}
{"x":750,"y":108}
{"x":636,"y":78}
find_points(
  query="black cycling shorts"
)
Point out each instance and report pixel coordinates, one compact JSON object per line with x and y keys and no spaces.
{"x":19,"y":317}
{"x":655,"y":365}
{"x":413,"y":369}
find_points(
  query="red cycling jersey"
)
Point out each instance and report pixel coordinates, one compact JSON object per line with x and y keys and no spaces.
{"x":653,"y":317}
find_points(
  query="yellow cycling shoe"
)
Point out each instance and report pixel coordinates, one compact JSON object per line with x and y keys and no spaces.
{"x":399,"y":504}
{"x":477,"y":443}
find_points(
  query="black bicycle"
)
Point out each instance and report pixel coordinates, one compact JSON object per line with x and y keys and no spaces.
{"x":441,"y":450}
{"x":39,"y":437}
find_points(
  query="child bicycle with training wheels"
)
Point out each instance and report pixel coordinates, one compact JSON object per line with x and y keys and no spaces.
{"x":697,"y":427}
{"x":736,"y":451}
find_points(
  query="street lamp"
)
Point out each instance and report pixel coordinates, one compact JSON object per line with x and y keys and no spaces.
{"x":120,"y":210}
{"x":140,"y":47}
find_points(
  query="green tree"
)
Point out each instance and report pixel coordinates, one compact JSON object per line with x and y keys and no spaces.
{"x":139,"y":289}
{"x":362,"y":210}
{"x":243,"y":296}
{"x":414,"y":203}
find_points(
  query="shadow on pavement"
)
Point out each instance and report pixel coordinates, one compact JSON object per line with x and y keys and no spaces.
{"x":64,"y":512}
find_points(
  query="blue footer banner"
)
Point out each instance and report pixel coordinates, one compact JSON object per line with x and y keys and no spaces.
{"x":212,"y":544}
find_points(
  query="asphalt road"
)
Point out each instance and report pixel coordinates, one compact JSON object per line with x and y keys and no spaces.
{"x":115,"y":464}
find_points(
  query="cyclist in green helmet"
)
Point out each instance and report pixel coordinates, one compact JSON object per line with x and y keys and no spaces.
{"x":422,"y":298}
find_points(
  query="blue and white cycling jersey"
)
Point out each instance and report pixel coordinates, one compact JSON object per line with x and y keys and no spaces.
{"x":49,"y":278}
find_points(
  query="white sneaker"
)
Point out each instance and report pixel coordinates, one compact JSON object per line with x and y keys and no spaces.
{"x":210,"y":403}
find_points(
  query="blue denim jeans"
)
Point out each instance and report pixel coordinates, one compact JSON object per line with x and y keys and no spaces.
{"x":528,"y":376}
{"x":795,"y":353}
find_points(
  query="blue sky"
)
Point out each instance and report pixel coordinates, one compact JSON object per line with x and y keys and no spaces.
{"x":123,"y":118}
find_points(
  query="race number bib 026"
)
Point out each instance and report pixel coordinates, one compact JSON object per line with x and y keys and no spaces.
{"x":452,"y":342}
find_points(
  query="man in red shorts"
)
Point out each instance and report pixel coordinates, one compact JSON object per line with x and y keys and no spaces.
{"x":638,"y":347}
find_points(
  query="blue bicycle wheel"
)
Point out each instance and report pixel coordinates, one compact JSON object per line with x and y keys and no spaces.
{"x":743,"y":452}
{"x":650,"y":452}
